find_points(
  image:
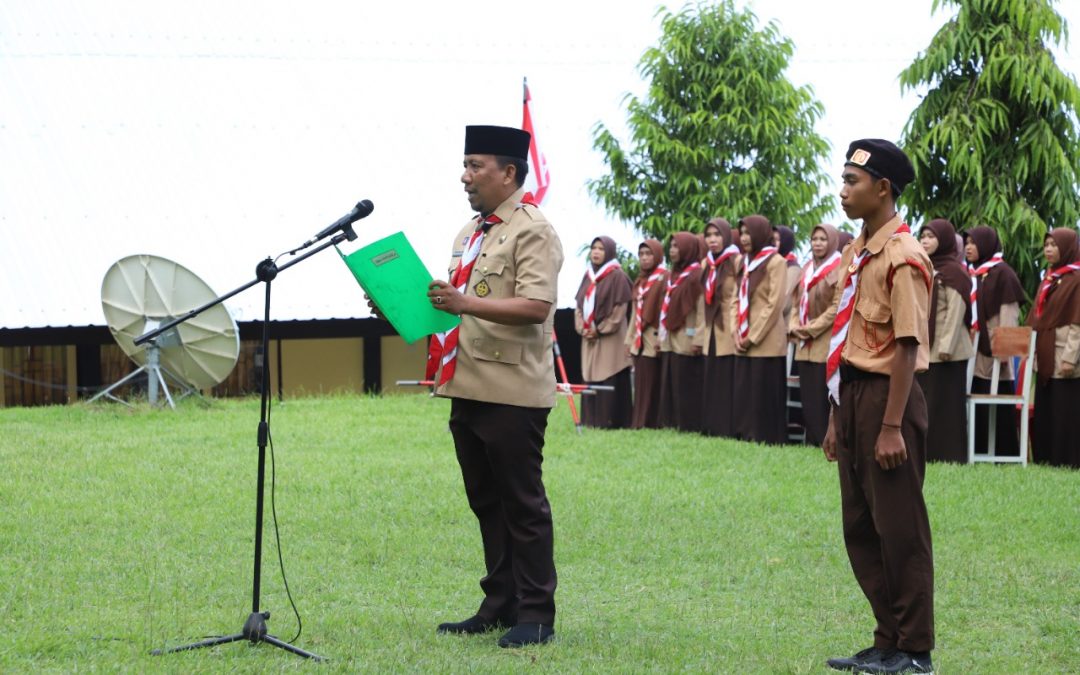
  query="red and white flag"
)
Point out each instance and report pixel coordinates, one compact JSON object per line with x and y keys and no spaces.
{"x":539,"y":178}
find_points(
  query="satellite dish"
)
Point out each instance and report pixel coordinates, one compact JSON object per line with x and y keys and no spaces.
{"x":140,"y":293}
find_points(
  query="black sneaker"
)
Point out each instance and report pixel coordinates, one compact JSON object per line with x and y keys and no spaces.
{"x":474,"y":625}
{"x":527,"y":634}
{"x":900,"y":662}
{"x":862,"y":658}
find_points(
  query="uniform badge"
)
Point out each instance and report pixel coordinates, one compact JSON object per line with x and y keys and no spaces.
{"x":482,"y":289}
{"x":860,"y":157}
{"x":851,"y":268}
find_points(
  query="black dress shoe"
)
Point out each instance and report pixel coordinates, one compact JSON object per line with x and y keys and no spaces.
{"x":900,"y":662}
{"x":527,"y":634}
{"x":867,"y":655}
{"x":474,"y":625}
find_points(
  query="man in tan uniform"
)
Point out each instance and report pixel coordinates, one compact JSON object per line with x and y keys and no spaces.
{"x":497,"y":370}
{"x":877,"y":429}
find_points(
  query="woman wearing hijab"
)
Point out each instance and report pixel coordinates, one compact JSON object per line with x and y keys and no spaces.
{"x":721,"y":267}
{"x":642,"y":340}
{"x":603,"y":304}
{"x":784,"y":240}
{"x":945,"y":383}
{"x":1056,"y":317}
{"x":997,"y":294}
{"x":811,"y":324}
{"x":682,"y":316}
{"x":760,"y":337}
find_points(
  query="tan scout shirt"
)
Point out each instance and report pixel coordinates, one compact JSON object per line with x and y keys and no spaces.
{"x":768,"y":331}
{"x":820,"y":327}
{"x":650,"y":339}
{"x":891,"y":301}
{"x":605,"y":355}
{"x":1009,"y":316}
{"x":951,"y":336}
{"x":692,"y":333}
{"x":1066,"y":350}
{"x":520,"y":257}
{"x":723,"y":339}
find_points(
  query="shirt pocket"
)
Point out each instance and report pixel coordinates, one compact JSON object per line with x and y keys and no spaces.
{"x":874,"y":325}
{"x":495,"y":273}
{"x":500,"y":351}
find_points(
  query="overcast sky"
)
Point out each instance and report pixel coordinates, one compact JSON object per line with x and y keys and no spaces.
{"x":216,"y":133}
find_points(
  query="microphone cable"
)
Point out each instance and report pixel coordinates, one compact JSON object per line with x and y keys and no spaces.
{"x":273,"y":511}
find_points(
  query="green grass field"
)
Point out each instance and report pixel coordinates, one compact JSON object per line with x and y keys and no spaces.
{"x":122,"y":531}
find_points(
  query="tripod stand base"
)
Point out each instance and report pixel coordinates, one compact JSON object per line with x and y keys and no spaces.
{"x":254,"y":630}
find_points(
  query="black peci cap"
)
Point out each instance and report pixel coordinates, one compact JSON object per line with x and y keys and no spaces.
{"x":882,"y":159}
{"x":490,"y":140}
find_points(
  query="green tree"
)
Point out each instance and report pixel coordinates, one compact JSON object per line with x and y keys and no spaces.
{"x":721,"y":131}
{"x":994,"y":140}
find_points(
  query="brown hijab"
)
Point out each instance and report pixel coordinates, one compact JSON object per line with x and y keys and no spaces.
{"x":685,"y":296}
{"x":821,"y":294}
{"x":1062,"y":304}
{"x":787,"y":244}
{"x":650,"y":309}
{"x":948,"y":270}
{"x":713,"y":313}
{"x":845,"y":239}
{"x":1000,"y":286}
{"x":760,"y":232}
{"x":611,"y":291}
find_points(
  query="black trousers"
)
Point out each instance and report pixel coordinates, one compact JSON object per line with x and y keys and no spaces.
{"x":886,"y":527}
{"x":499,"y":448}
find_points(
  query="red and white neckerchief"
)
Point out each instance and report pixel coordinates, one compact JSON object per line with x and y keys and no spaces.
{"x":843,"y":317}
{"x":639,"y":304}
{"x":442,"y":350}
{"x":1044,"y":288}
{"x":714,"y":263}
{"x":743,"y":320}
{"x":812,"y":277}
{"x":588,"y":306}
{"x":672,"y":284}
{"x":443,"y":347}
{"x":791,"y":257}
{"x":975,"y":273}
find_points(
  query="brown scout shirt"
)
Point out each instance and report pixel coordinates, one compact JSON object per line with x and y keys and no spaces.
{"x":891,"y":300}
{"x":605,"y":355}
{"x":520,"y":257}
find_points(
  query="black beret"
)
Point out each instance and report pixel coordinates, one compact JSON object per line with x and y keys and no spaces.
{"x":489,"y":140}
{"x":881,"y":159}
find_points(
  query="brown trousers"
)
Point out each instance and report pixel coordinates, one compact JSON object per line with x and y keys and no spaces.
{"x":646,"y":393}
{"x":499,"y":448}
{"x":886,"y":527}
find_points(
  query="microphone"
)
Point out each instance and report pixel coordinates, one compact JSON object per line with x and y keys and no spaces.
{"x":362,"y":209}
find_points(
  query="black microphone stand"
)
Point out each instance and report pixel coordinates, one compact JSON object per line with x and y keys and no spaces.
{"x":255,"y":627}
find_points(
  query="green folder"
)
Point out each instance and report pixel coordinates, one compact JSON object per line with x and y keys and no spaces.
{"x":397,"y":282}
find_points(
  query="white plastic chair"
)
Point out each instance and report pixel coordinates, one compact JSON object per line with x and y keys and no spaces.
{"x":1006,"y":342}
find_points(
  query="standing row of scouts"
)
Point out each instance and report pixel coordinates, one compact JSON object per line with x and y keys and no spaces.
{"x":719,"y":320}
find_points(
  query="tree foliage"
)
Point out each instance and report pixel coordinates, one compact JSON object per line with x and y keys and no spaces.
{"x":721,"y":131}
{"x":994,"y":141}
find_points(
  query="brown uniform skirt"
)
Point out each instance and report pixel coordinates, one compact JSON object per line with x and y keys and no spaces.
{"x":1055,"y":439}
{"x":759,"y":412}
{"x":946,"y":407}
{"x":814,"y":395}
{"x":609,"y":409}
{"x":680,"y":391}
{"x":717,"y":395}
{"x":646,"y":413}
